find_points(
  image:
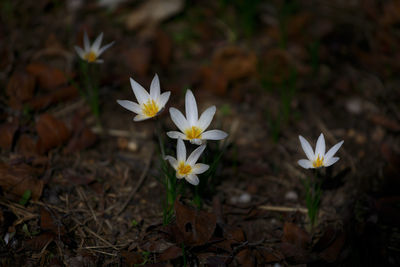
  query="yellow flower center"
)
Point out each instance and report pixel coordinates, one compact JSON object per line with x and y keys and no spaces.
{"x":318,"y":162}
{"x":150,"y":109}
{"x":193,"y":133}
{"x":90,"y":57}
{"x":184,"y":169}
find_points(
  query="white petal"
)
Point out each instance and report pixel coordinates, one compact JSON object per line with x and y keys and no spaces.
{"x":200,"y":168}
{"x":180,"y":151}
{"x":179,"y":120}
{"x":331,"y":152}
{"x":331,"y":161}
{"x":163,"y":99}
{"x":172,"y":161}
{"x":140,"y":93}
{"x":197,"y":141}
{"x":155,"y":88}
{"x":80,"y":51}
{"x":305,"y":163}
{"x":206,"y":118}
{"x":192,"y":179}
{"x":320,"y":147}
{"x":214,"y":135}
{"x":191,"y":108}
{"x":86,"y":43}
{"x":176,"y":135}
{"x":129,"y":105}
{"x":192,"y":159}
{"x":307,"y":148}
{"x":140,"y":117}
{"x":104,"y":48}
{"x":96,"y":44}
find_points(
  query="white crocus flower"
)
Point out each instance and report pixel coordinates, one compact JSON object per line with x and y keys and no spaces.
{"x":192,"y":128}
{"x":91,"y":53}
{"x":187,"y":168}
{"x":319,"y":158}
{"x":150,"y":105}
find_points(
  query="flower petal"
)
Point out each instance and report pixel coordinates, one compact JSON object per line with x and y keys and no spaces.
{"x":176,"y":135}
{"x":96,"y":44}
{"x":331,"y":152}
{"x":140,"y":117}
{"x":155,"y":88}
{"x":307,"y":148}
{"x":200,"y":168}
{"x":206,"y":118}
{"x":172,"y":161}
{"x":180,"y":151}
{"x":214,"y":135}
{"x":191,"y":108}
{"x":197,"y":141}
{"x":179,"y":120}
{"x":80,"y":51}
{"x":86,"y":43}
{"x":163,"y":99}
{"x":305,"y":163}
{"x":195,"y":155}
{"x":331,"y":161}
{"x":320,"y":147}
{"x":140,"y":93}
{"x":104,"y":48}
{"x":129,"y":105}
{"x":192,"y":179}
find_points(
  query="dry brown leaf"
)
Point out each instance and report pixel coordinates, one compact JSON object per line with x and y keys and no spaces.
{"x":137,"y":59}
{"x":196,"y":226}
{"x":7,"y":132}
{"x":18,"y":179}
{"x":37,"y":243}
{"x":163,"y":48}
{"x":171,"y":253}
{"x":52,"y":133}
{"x":152,"y":12}
{"x":20,"y":88}
{"x":58,"y":95}
{"x":47,"y":77}
{"x":295,"y":235}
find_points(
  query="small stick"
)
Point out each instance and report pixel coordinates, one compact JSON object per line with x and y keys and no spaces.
{"x":282,"y":208}
{"x":141,"y":179}
{"x":82,"y":194}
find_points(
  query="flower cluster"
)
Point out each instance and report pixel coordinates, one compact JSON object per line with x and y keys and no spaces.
{"x":192,"y":128}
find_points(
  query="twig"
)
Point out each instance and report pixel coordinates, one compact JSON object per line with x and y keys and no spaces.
{"x":112,"y":132}
{"x":141,"y":179}
{"x":82,"y":194}
{"x":282,"y":208}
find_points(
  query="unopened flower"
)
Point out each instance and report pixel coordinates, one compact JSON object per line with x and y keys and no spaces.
{"x":187,"y":168}
{"x":318,"y":158}
{"x":192,"y":128}
{"x":91,"y":53}
{"x":150,"y":105}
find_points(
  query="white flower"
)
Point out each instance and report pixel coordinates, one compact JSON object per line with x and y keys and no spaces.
{"x":91,"y":53}
{"x":192,"y":128}
{"x":319,"y":158}
{"x":150,"y":105}
{"x":187,"y":168}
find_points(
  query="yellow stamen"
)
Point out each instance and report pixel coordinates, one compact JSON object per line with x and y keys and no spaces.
{"x":90,"y":57}
{"x":184,"y":169}
{"x":150,"y":109}
{"x":193,"y":133}
{"x":318,"y":162}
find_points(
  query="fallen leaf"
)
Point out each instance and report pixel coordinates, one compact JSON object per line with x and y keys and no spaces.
{"x":20,"y":88}
{"x":48,"y":222}
{"x":163,"y":48}
{"x":132,"y":258}
{"x":47,"y":77}
{"x":58,"y":95}
{"x":26,"y":145}
{"x":196,"y":226}
{"x":81,"y":140}
{"x":333,"y":251}
{"x":245,"y":258}
{"x":171,"y":253}
{"x":295,"y":235}
{"x":17,"y":179}
{"x":152,"y":12}
{"x":52,"y":133}
{"x":7,"y":132}
{"x":37,"y":243}
{"x":137,"y":59}
{"x":385,"y":122}
{"x":213,"y":80}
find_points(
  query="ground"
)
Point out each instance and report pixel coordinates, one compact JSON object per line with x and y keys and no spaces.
{"x":81,"y":191}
